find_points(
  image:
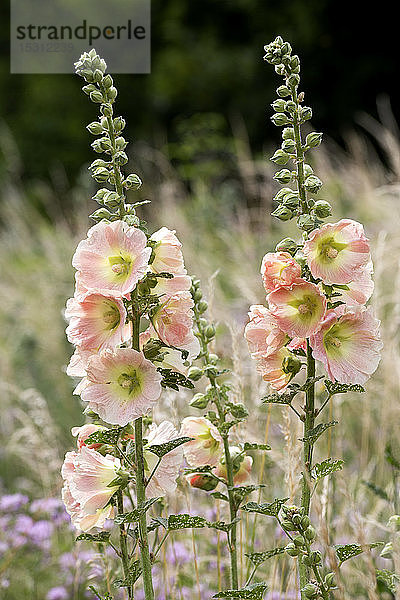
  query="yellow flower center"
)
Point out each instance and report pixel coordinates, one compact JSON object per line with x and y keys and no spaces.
{"x":120,"y":265}
{"x":331,"y":252}
{"x":129,"y":381}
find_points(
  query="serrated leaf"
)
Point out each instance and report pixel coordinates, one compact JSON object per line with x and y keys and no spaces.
{"x":222,"y":526}
{"x":251,"y":446}
{"x":134,"y":515}
{"x":185,"y":521}
{"x":275,"y":398}
{"x":333,"y":387}
{"x":346,"y":551}
{"x":271,"y":509}
{"x":101,"y":537}
{"x":378,"y":491}
{"x":314,"y":434}
{"x":389,"y":578}
{"x":219,"y":496}
{"x":135,"y":572}
{"x":108,"y":436}
{"x":251,"y":592}
{"x":257,"y":558}
{"x":162,"y":449}
{"x":326,"y":467}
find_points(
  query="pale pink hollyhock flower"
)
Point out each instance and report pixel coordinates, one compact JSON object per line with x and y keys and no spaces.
{"x":278,"y":368}
{"x":113,"y":257}
{"x":173,"y":322}
{"x":360,"y":289}
{"x":299,"y":309}
{"x":206,"y":447}
{"x":262,"y":332}
{"x":241,"y":473}
{"x":168,"y":256}
{"x":279,"y":269}
{"x":348,"y":344}
{"x":96,"y":321}
{"x":164,"y":479}
{"x":83,"y":432}
{"x":336,"y":251}
{"x":78,"y":362}
{"x":297,"y":343}
{"x":122,"y":385}
{"x":169,"y":287}
{"x":87,"y":476}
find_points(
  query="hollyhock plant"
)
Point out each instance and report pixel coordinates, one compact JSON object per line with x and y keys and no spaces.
{"x":87,"y":491}
{"x":336,"y":251}
{"x":83,"y":432}
{"x":121,"y":385}
{"x":173,"y":322}
{"x":163,"y":481}
{"x":165,"y":288}
{"x":262,"y":333}
{"x":113,"y":257}
{"x":167,"y":253}
{"x":96,"y":321}
{"x":242,"y":466}
{"x":279,"y":269}
{"x":206,"y":447}
{"x":298,"y":309}
{"x":358,"y":291}
{"x":348,"y":344}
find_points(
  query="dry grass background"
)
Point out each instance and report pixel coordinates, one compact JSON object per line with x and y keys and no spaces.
{"x":224,"y":241}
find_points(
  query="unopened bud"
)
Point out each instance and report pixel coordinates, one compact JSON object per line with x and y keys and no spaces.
{"x":199,"y":401}
{"x":203,"y":481}
{"x":288,"y":133}
{"x":279,"y":105}
{"x":313,"y":139}
{"x":133,"y":181}
{"x":310,"y":533}
{"x":287,"y":245}
{"x":310,"y":590}
{"x":283,"y":91}
{"x":291,"y":364}
{"x":283,"y":176}
{"x":306,"y":222}
{"x":322,"y":209}
{"x":195,"y":373}
{"x":292,"y":550}
{"x":280,"y":157}
{"x":202,"y":307}
{"x":289,"y":146}
{"x":305,"y":113}
{"x":280,"y":119}
{"x":95,"y":128}
{"x":210,"y":331}
{"x":329,"y":580}
{"x":313,"y":184}
{"x":282,"y":213}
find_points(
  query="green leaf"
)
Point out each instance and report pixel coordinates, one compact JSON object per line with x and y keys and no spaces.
{"x":346,"y":551}
{"x":271,"y":509}
{"x":257,"y":558}
{"x":162,"y":449}
{"x":219,"y":496}
{"x":326,"y":467}
{"x":241,"y":492}
{"x":135,"y":572}
{"x":333,"y":387}
{"x":314,"y":434}
{"x":222,"y":526}
{"x":251,"y":446}
{"x":175,"y":522}
{"x":173,"y":379}
{"x":108,"y":436}
{"x":134,"y":515}
{"x":389,"y":578}
{"x":101,"y":537}
{"x":275,"y":398}
{"x":378,"y":491}
{"x":251,"y":592}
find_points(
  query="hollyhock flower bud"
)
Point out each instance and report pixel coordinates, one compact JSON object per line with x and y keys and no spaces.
{"x":279,"y":269}
{"x":83,"y":432}
{"x":336,"y":251}
{"x":166,"y":358}
{"x":241,"y":468}
{"x":348,"y":344}
{"x":87,"y":476}
{"x":164,"y":479}
{"x":173,"y":322}
{"x":168,"y":256}
{"x":206,"y":447}
{"x":278,"y":368}
{"x":202,"y":481}
{"x":262,"y":333}
{"x":299,"y":309}
{"x":113,"y":257}
{"x":96,"y":321}
{"x":122,"y":385}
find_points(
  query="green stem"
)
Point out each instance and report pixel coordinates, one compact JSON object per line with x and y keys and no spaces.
{"x":307,"y":453}
{"x":299,"y":155}
{"x":140,"y":498}
{"x":228,"y":458}
{"x":123,"y":544}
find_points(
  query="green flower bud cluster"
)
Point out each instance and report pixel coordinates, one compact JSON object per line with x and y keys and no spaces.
{"x":290,"y":114}
{"x":107,"y":129}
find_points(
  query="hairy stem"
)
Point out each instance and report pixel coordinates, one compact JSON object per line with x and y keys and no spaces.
{"x":123,"y":544}
{"x":228,"y":457}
